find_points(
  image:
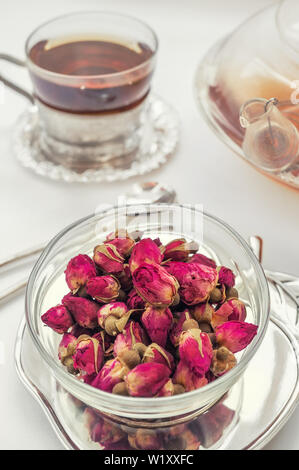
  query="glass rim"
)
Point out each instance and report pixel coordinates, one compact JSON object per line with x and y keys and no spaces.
{"x":157,"y":404}
{"x":90,"y":77}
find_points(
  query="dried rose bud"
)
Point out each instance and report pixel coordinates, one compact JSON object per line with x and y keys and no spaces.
{"x":235,"y":335}
{"x":223,"y":361}
{"x":58,"y":318}
{"x":134,"y":301}
{"x":177,"y":327}
{"x":203,"y":313}
{"x":106,"y":433}
{"x":125,"y":278}
{"x":145,"y":439}
{"x":231,"y":310}
{"x":179,"y":250}
{"x":167,"y":390}
{"x":103,"y":288}
{"x":129,"y":357}
{"x":196,"y":280}
{"x":217,"y":295}
{"x":122,"y":242}
{"x":157,"y":322}
{"x":155,"y":353}
{"x":105,"y":341}
{"x":113,"y":317}
{"x":108,"y":259}
{"x":132,"y":334}
{"x":188,"y":378}
{"x":120,"y":389}
{"x":88,"y":355}
{"x":83,"y":310}
{"x":155,"y":285}
{"x":196,"y":350}
{"x":231,"y":293}
{"x":146,"y":380}
{"x":66,"y":350}
{"x":145,"y":251}
{"x":79,"y":270}
{"x":226,"y":277}
{"x":202,"y":259}
{"x":112,"y":373}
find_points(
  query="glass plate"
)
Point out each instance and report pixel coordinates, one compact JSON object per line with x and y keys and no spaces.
{"x":158,"y":143}
{"x":265,"y":397}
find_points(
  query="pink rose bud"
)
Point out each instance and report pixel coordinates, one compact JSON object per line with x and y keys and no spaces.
{"x":188,"y":378}
{"x":203,"y":313}
{"x":58,"y":318}
{"x":125,"y":278}
{"x":133,"y":334}
{"x":202,"y":259}
{"x":103,"y":288}
{"x":146,"y":380}
{"x":122,"y":242}
{"x":167,"y":390}
{"x":83,"y":310}
{"x":226,"y":277}
{"x":89,"y":355}
{"x":157,"y":322}
{"x":145,"y":251}
{"x":134,"y":301}
{"x":196,"y":350}
{"x":155,"y":285}
{"x":179,"y":250}
{"x":155,"y":353}
{"x":108,"y":259}
{"x":235,"y":335}
{"x":196,"y":281}
{"x":105,"y":341}
{"x":231,"y":310}
{"x":67,"y":347}
{"x":177,"y":327}
{"x":79,"y":270}
{"x":112,"y":373}
{"x":113,"y":317}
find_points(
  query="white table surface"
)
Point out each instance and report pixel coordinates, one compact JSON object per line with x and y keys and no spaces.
{"x":203,"y":171}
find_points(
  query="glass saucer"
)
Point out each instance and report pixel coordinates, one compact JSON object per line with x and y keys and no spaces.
{"x":158,"y":143}
{"x":251,"y":413}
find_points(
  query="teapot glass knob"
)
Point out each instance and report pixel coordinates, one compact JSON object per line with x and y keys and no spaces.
{"x":271,"y":141}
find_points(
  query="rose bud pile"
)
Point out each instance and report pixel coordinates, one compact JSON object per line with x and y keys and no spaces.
{"x":146,"y":320}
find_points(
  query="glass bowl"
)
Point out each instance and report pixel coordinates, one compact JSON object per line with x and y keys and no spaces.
{"x":46,"y":287}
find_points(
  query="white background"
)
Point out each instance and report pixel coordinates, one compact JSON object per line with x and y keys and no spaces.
{"x":203,"y":171}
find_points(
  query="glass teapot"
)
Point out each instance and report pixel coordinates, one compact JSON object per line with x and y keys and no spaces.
{"x":247,"y":87}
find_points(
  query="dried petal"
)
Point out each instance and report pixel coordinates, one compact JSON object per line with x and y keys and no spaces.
{"x":83,"y":310}
{"x":105,"y":341}
{"x":188,"y":378}
{"x":223,"y":361}
{"x":196,"y":281}
{"x":196,"y":350}
{"x":122,"y":241}
{"x":112,"y":373}
{"x":146,"y":380}
{"x":58,"y":318}
{"x":103,"y":288}
{"x":226,"y":277}
{"x":145,"y":251}
{"x":67,"y":347}
{"x":179,"y":250}
{"x":88,"y":355}
{"x":145,"y":439}
{"x":79,"y":270}
{"x":155,"y":285}
{"x":107,"y":258}
{"x":235,"y":335}
{"x":125,"y":278}
{"x":157,"y":322}
{"x":155,"y":353}
{"x":232,"y":309}
{"x":202,"y":259}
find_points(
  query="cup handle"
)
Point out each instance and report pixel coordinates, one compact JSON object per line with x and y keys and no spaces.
{"x":10,"y":84}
